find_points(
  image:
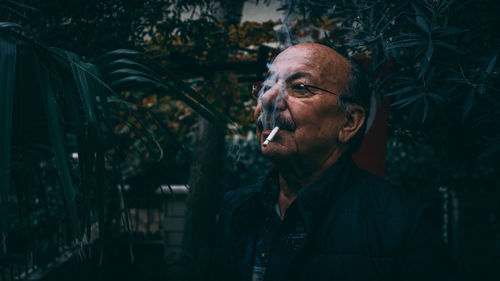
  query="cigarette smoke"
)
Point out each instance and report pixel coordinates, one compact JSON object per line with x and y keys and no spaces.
{"x":270,"y":116}
{"x":233,"y":155}
{"x":282,"y":33}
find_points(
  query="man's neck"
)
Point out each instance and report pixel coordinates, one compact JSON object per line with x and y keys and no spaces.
{"x":294,"y":176}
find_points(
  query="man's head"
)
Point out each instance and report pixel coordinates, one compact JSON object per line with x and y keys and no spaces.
{"x":320,"y":101}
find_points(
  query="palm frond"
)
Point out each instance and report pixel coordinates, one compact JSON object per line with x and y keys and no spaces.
{"x":57,"y":138}
{"x":7,"y":74}
{"x":122,"y":70}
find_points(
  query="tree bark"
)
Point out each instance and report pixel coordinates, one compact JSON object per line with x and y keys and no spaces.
{"x":205,"y":181}
{"x":202,"y":202}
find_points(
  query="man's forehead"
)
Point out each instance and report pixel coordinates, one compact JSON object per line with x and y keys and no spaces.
{"x":291,"y":71}
{"x":289,"y":64}
{"x":309,"y":57}
{"x":299,"y":57}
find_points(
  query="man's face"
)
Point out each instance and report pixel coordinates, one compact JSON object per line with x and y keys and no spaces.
{"x":309,"y":120}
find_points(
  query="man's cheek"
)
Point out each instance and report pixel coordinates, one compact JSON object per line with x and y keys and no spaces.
{"x":257,"y":111}
{"x":258,"y":133}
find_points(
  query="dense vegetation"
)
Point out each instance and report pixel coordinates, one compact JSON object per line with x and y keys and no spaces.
{"x":130,"y":114}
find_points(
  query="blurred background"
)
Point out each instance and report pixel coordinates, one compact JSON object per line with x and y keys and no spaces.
{"x":122,"y":123}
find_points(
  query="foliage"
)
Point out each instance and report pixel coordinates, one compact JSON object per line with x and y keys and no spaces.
{"x":437,"y":63}
{"x":68,"y":94}
{"x":435,"y":60}
{"x":86,"y":28}
{"x":77,"y":145}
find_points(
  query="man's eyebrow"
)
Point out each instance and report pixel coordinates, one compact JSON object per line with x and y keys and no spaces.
{"x":298,"y":75}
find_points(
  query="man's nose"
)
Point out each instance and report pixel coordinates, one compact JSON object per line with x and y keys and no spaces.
{"x":274,"y":98}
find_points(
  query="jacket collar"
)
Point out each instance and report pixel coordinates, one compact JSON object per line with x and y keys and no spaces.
{"x":313,"y":200}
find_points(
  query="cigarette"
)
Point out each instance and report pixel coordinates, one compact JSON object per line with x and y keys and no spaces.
{"x":271,"y":136}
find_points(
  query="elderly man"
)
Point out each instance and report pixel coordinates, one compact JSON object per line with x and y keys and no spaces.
{"x":317,"y":216}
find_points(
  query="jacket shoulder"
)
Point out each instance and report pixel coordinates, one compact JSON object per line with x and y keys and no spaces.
{"x":237,"y":196}
{"x":381,"y":198}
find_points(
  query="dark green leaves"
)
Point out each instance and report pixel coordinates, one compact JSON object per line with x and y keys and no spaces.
{"x":57,"y":136}
{"x":490,"y":66}
{"x":125,"y":69}
{"x":7,"y":74}
{"x":478,"y":82}
{"x":469,"y":100}
{"x":69,"y":89}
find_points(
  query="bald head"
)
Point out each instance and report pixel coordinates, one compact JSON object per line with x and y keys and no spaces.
{"x":333,"y":68}
{"x":323,"y":53}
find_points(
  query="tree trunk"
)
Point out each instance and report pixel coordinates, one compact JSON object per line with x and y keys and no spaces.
{"x":205,"y":182}
{"x":202,"y":203}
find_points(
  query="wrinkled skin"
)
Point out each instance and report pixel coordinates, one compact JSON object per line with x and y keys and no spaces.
{"x":316,"y":137}
{"x":314,"y":130}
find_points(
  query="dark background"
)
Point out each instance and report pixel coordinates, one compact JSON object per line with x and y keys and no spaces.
{"x":434,"y":62}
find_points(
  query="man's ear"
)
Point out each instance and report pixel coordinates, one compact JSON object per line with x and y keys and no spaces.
{"x":355,"y":118}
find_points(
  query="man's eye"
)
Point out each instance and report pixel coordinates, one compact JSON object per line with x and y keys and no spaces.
{"x":300,"y":90}
{"x":299,"y":86}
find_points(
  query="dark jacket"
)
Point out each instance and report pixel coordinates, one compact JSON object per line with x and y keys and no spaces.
{"x":358,"y":228}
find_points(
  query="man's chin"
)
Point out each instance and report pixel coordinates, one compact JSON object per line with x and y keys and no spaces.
{"x":276,"y":152}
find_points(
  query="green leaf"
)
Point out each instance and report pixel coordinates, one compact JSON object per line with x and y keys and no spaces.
{"x":7,"y":78}
{"x":87,"y":94}
{"x":186,"y":90}
{"x":130,"y":81}
{"x":7,"y":25}
{"x":405,"y":43}
{"x":448,"y":31}
{"x":158,"y":118}
{"x":421,"y":20}
{"x":423,"y":24}
{"x":426,"y":109}
{"x":435,"y":97}
{"x":97,"y":147}
{"x":426,"y":59}
{"x":443,"y":5}
{"x":402,"y":91}
{"x":492,"y":63}
{"x":63,"y":82}
{"x":468,"y":103}
{"x":69,"y":62}
{"x":83,"y":77}
{"x":133,"y":81}
{"x":406,"y":101}
{"x":124,"y":63}
{"x":57,"y":138}
{"x":119,"y":53}
{"x":443,"y":44}
{"x":16,"y":3}
{"x":125,"y":72}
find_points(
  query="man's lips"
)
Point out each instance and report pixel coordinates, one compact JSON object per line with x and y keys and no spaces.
{"x":266,"y":133}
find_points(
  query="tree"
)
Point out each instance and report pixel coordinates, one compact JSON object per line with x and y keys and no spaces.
{"x":75,"y":145}
{"x":435,"y":61}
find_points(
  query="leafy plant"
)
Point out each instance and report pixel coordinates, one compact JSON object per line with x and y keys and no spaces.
{"x":75,"y":136}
